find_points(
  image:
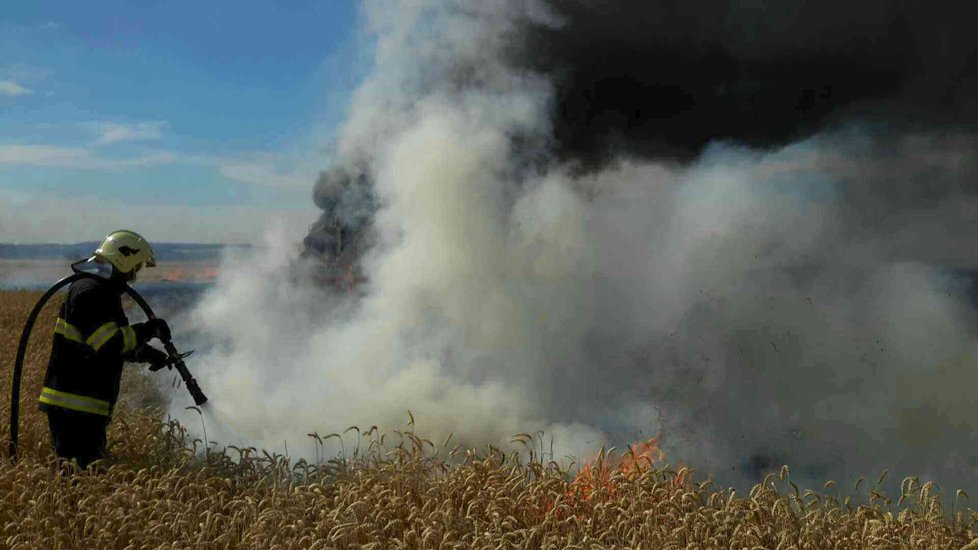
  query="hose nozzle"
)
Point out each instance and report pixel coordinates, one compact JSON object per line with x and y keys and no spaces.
{"x":188,"y":379}
{"x":194,"y":389}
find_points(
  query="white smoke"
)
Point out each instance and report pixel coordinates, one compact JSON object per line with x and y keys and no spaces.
{"x":741,"y":306}
{"x":475,"y":285}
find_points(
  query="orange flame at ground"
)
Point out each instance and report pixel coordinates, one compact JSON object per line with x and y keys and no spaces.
{"x":176,"y":275}
{"x":597,"y":474}
{"x":598,"y":478}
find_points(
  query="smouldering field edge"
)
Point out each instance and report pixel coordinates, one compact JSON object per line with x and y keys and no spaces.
{"x":403,"y":491}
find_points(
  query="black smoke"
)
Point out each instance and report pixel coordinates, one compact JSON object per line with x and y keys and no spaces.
{"x":348,"y":203}
{"x":666,"y":78}
{"x":787,"y":295}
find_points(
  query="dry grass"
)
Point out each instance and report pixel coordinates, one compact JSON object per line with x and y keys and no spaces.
{"x":157,"y":494}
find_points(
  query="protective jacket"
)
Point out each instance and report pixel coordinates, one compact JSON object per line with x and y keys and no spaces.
{"x":92,"y":339}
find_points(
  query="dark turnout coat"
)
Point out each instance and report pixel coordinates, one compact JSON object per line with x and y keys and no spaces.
{"x":92,"y":339}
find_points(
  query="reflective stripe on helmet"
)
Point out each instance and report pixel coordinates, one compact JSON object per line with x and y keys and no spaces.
{"x":69,"y":331}
{"x":102,"y":335}
{"x":74,"y":402}
{"x":129,"y":339}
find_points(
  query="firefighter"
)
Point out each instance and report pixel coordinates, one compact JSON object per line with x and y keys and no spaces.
{"x":92,"y":339}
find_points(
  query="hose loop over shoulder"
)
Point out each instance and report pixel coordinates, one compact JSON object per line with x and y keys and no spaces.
{"x":198,"y":395}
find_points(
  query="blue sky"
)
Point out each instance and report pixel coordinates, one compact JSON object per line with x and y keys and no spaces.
{"x":189,"y":121}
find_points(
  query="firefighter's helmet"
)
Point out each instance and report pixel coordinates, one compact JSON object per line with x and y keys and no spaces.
{"x":126,"y":251}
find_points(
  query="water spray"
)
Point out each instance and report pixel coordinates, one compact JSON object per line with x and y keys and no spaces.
{"x":175,"y":357}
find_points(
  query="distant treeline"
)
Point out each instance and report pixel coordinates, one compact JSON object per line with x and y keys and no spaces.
{"x":165,"y":252}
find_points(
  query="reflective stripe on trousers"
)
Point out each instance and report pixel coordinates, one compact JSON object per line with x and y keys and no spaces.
{"x":74,"y":402}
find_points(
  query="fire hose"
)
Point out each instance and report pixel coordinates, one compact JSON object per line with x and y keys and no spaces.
{"x":175,"y":357}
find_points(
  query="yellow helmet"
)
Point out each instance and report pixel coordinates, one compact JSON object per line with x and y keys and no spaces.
{"x":126,"y":251}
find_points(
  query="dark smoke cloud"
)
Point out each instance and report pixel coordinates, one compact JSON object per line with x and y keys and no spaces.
{"x":790,"y":291}
{"x":665,"y":78}
{"x":347,"y":200}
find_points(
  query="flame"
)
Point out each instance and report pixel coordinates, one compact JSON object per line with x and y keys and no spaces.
{"x":343,"y":277}
{"x":597,"y":475}
{"x":643,"y":451}
{"x":173,"y":276}
{"x":599,"y":478}
{"x":179,"y":274}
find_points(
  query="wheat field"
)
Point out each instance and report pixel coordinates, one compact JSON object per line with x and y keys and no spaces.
{"x":160,"y":490}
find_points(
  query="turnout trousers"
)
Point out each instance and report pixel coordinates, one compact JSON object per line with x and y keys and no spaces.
{"x":77,"y":435}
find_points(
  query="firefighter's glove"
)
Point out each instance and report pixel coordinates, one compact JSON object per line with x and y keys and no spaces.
{"x":154,"y":328}
{"x":156,"y":358}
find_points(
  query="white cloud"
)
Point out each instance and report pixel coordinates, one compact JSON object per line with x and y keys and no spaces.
{"x":37,"y":217}
{"x":77,"y":158}
{"x":12,"y":89}
{"x":21,"y":79}
{"x":115,"y":132}
{"x":266,"y":170}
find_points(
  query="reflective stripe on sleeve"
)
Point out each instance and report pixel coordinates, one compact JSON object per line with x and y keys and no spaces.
{"x":69,"y":331}
{"x":102,"y":335}
{"x":74,"y":402}
{"x":129,"y":339}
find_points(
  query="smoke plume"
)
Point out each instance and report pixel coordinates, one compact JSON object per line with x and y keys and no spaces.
{"x":743,"y":227}
{"x":666,"y":78}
